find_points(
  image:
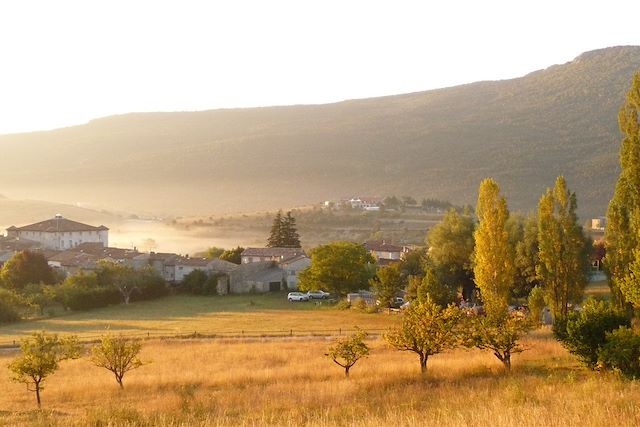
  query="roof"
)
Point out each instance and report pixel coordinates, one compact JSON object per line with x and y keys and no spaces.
{"x":294,"y":259}
{"x":382,"y":247}
{"x":97,"y":249}
{"x":283,"y":253}
{"x":57,"y":224}
{"x":193,"y":262}
{"x":222,"y":266}
{"x":75,"y":259}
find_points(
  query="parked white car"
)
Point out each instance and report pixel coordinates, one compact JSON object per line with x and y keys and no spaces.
{"x":318,"y":294}
{"x":297,"y":296}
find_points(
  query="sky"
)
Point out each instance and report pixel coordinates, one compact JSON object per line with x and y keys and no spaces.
{"x":66,"y":62}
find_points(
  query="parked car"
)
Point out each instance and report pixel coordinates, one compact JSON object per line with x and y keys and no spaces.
{"x":297,"y":296}
{"x":318,"y":294}
{"x":396,"y":303}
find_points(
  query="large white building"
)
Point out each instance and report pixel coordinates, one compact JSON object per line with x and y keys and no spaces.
{"x":61,"y":233}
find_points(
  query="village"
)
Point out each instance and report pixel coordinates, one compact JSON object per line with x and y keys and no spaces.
{"x":72,"y":248}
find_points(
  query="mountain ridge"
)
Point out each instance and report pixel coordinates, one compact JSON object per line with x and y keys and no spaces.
{"x":438,"y":143}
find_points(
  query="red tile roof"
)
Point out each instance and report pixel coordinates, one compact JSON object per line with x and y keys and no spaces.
{"x":58,"y":224}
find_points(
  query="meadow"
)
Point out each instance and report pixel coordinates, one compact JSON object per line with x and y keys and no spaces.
{"x":289,"y":382}
{"x":222,"y":316}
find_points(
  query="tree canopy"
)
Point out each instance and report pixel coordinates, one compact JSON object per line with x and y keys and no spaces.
{"x":623,"y":217}
{"x":563,"y":258}
{"x":24,"y":268}
{"x":284,"y":232}
{"x":450,"y":246}
{"x":493,"y":268}
{"x":339,"y":268}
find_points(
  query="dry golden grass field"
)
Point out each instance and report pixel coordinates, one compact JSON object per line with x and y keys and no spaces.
{"x":289,"y":382}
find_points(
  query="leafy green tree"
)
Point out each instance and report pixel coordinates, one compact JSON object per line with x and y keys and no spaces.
{"x":536,"y":304}
{"x":451,"y":246}
{"x":426,"y":329}
{"x":346,"y":352}
{"x":623,"y":217}
{"x":431,"y":288}
{"x":523,"y":235}
{"x":339,"y":267}
{"x":233,"y":255}
{"x":499,"y":332}
{"x":387,"y":283}
{"x":122,"y":277}
{"x":41,"y":356}
{"x":118,"y":355}
{"x":563,"y":257}
{"x":24,"y":268}
{"x":413,"y":263}
{"x":584,"y":333}
{"x":493,"y":257}
{"x":284,"y":233}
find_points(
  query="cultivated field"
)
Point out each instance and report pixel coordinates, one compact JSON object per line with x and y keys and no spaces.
{"x":288,"y":382}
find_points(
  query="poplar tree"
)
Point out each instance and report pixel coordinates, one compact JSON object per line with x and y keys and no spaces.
{"x":562,"y":249}
{"x":622,"y":238}
{"x":494,"y":256}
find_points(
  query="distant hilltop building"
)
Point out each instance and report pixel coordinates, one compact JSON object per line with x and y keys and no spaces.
{"x":599,"y":223}
{"x":60,"y":233}
{"x":363,"y":203}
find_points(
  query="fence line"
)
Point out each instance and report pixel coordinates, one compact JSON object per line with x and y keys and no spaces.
{"x":8,"y":343}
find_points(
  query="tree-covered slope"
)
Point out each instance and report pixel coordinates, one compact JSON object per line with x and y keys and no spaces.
{"x":440,"y":143}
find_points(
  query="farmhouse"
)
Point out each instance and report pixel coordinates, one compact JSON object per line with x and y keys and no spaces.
{"x":269,"y":254}
{"x":60,"y":233}
{"x":384,"y":253}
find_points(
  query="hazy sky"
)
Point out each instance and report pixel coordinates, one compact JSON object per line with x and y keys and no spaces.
{"x":65,"y":62}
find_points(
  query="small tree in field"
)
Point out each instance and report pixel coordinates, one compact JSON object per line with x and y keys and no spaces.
{"x":426,"y":329}
{"x":41,"y":355}
{"x":118,"y":355}
{"x":498,"y":333}
{"x":346,"y":352}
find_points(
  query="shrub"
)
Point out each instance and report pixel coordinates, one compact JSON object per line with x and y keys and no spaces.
{"x":584,"y":333}
{"x":8,"y":306}
{"x":198,"y":282}
{"x":621,"y":352}
{"x":343,"y":305}
{"x":82,"y":292}
{"x":151,"y":286}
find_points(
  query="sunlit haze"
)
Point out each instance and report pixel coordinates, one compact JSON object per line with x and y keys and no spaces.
{"x":67,"y":62}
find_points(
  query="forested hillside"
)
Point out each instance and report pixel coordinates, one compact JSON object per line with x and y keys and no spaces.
{"x":440,"y":143}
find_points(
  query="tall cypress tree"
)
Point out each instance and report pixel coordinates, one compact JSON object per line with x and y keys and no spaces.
{"x":276,"y":234}
{"x":563,"y":258}
{"x":622,"y":238}
{"x":290,"y":232}
{"x":284,"y":233}
{"x":494,"y":256}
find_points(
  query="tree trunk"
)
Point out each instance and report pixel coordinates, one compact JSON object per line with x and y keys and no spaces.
{"x":346,"y":371}
{"x":38,"y":394}
{"x":423,"y":363}
{"x":119,"y":380}
{"x":505,"y":359}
